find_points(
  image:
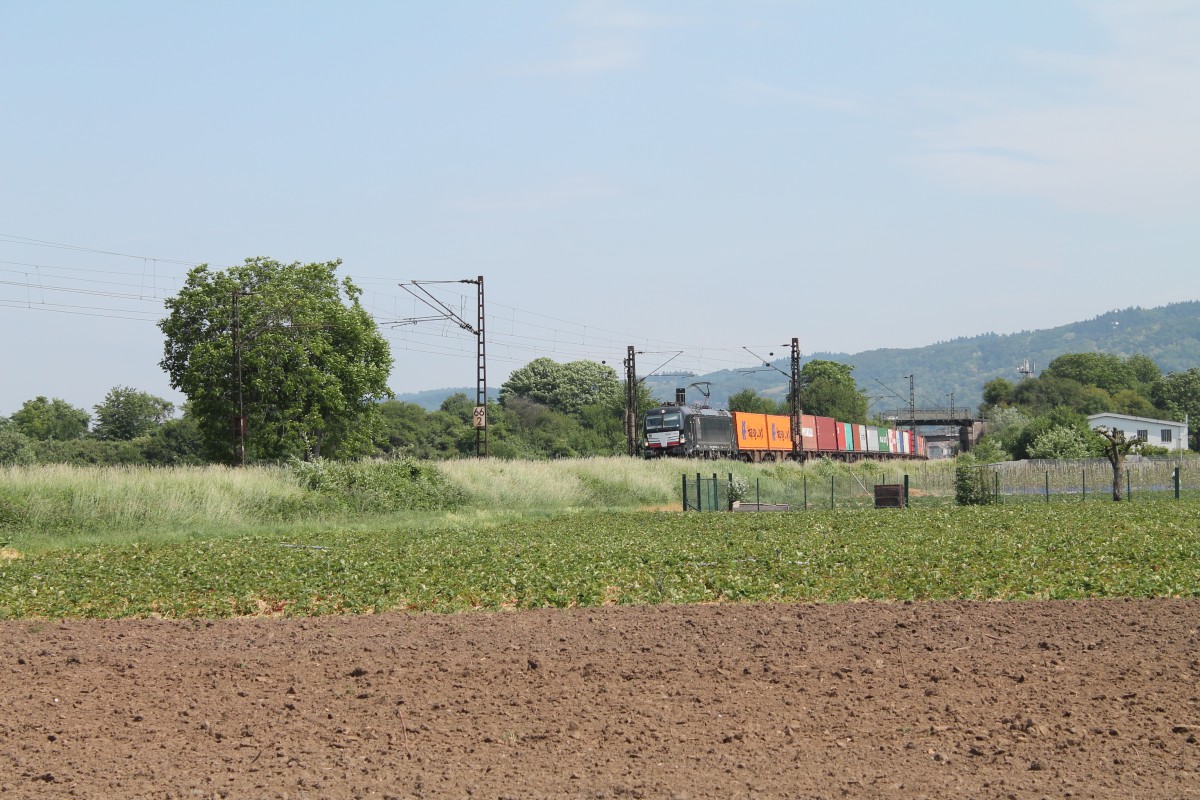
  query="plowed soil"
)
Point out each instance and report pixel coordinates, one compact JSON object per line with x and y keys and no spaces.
{"x":953,"y":700}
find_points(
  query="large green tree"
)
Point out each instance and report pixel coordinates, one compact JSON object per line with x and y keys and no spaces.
{"x":312,"y":363}
{"x":1110,"y":372}
{"x":563,"y":387}
{"x":997,"y":392}
{"x":1178,"y":395}
{"x":50,"y":420}
{"x":1043,"y":394}
{"x":127,"y":413}
{"x":828,"y":389}
{"x":1144,"y":368}
{"x":1062,"y":417}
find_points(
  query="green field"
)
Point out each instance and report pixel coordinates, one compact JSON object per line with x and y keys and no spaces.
{"x":211,"y":543}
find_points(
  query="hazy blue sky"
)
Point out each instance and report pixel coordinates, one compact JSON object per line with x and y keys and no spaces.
{"x":681,"y":176}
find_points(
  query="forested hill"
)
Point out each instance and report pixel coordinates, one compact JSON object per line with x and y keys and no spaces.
{"x":1169,"y":334}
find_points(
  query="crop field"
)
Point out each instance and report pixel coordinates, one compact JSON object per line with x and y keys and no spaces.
{"x":454,"y":561}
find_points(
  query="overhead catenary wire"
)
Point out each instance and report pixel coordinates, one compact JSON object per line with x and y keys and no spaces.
{"x":10,"y":238}
{"x":512,"y":332}
{"x":619,"y":336}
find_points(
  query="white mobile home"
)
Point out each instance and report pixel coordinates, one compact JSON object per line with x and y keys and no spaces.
{"x":1158,"y":432}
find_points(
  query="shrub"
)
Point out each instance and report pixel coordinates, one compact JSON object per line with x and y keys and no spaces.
{"x":16,"y":448}
{"x":739,"y":490}
{"x":379,"y":486}
{"x":971,"y":484}
{"x":989,"y":451}
{"x":1059,"y":442}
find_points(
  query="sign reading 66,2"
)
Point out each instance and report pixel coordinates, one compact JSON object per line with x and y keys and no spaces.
{"x":480,"y":416}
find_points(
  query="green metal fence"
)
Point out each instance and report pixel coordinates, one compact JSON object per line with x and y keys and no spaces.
{"x":701,"y":492}
{"x":823,"y":486}
{"x":706,"y":494}
{"x":1090,"y":480}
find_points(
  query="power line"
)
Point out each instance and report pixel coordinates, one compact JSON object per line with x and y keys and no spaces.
{"x":576,"y":339}
{"x":60,"y":308}
{"x":10,"y":238}
{"x":44,"y":287}
{"x":621,"y":336}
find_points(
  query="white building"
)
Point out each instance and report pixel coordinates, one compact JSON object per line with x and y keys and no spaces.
{"x":1158,"y":432}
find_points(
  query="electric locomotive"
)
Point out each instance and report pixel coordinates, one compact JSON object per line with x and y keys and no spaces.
{"x":679,"y":430}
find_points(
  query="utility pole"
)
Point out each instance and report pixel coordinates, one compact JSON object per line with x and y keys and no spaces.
{"x":445,"y":312}
{"x":631,"y":404}
{"x":239,"y":422}
{"x":794,"y":380}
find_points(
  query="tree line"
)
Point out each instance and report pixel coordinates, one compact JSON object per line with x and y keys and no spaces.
{"x":545,"y":410}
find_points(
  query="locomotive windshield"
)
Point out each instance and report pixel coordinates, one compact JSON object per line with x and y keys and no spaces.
{"x":662,"y":421}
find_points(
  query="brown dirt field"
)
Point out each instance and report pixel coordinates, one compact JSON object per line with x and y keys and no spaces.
{"x":953,"y":700}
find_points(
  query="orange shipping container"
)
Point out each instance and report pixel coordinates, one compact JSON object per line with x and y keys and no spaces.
{"x":779,"y":432}
{"x":751,"y":431}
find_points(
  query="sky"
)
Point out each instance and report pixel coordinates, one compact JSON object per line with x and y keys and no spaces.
{"x":701,"y":180}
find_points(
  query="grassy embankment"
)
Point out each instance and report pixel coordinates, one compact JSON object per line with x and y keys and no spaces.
{"x":219,"y":542}
{"x":55,"y":506}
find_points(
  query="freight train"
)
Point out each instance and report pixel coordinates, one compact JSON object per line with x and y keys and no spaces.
{"x":689,"y":432}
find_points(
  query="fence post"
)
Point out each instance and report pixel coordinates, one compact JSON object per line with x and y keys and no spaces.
{"x":729,"y":492}
{"x":1047,"y":486}
{"x":806,"y":488}
{"x":997,"y":474}
{"x":906,"y":490}
{"x":716,"y":505}
{"x":699,"y":493}
{"x":1085,"y":482}
{"x":832,"y":502}
{"x":684,"y":495}
{"x":1128,"y":487}
{"x":1177,"y":483}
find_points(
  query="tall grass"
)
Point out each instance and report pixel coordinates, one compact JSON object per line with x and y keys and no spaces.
{"x":57,"y":499}
{"x":611,"y":482}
